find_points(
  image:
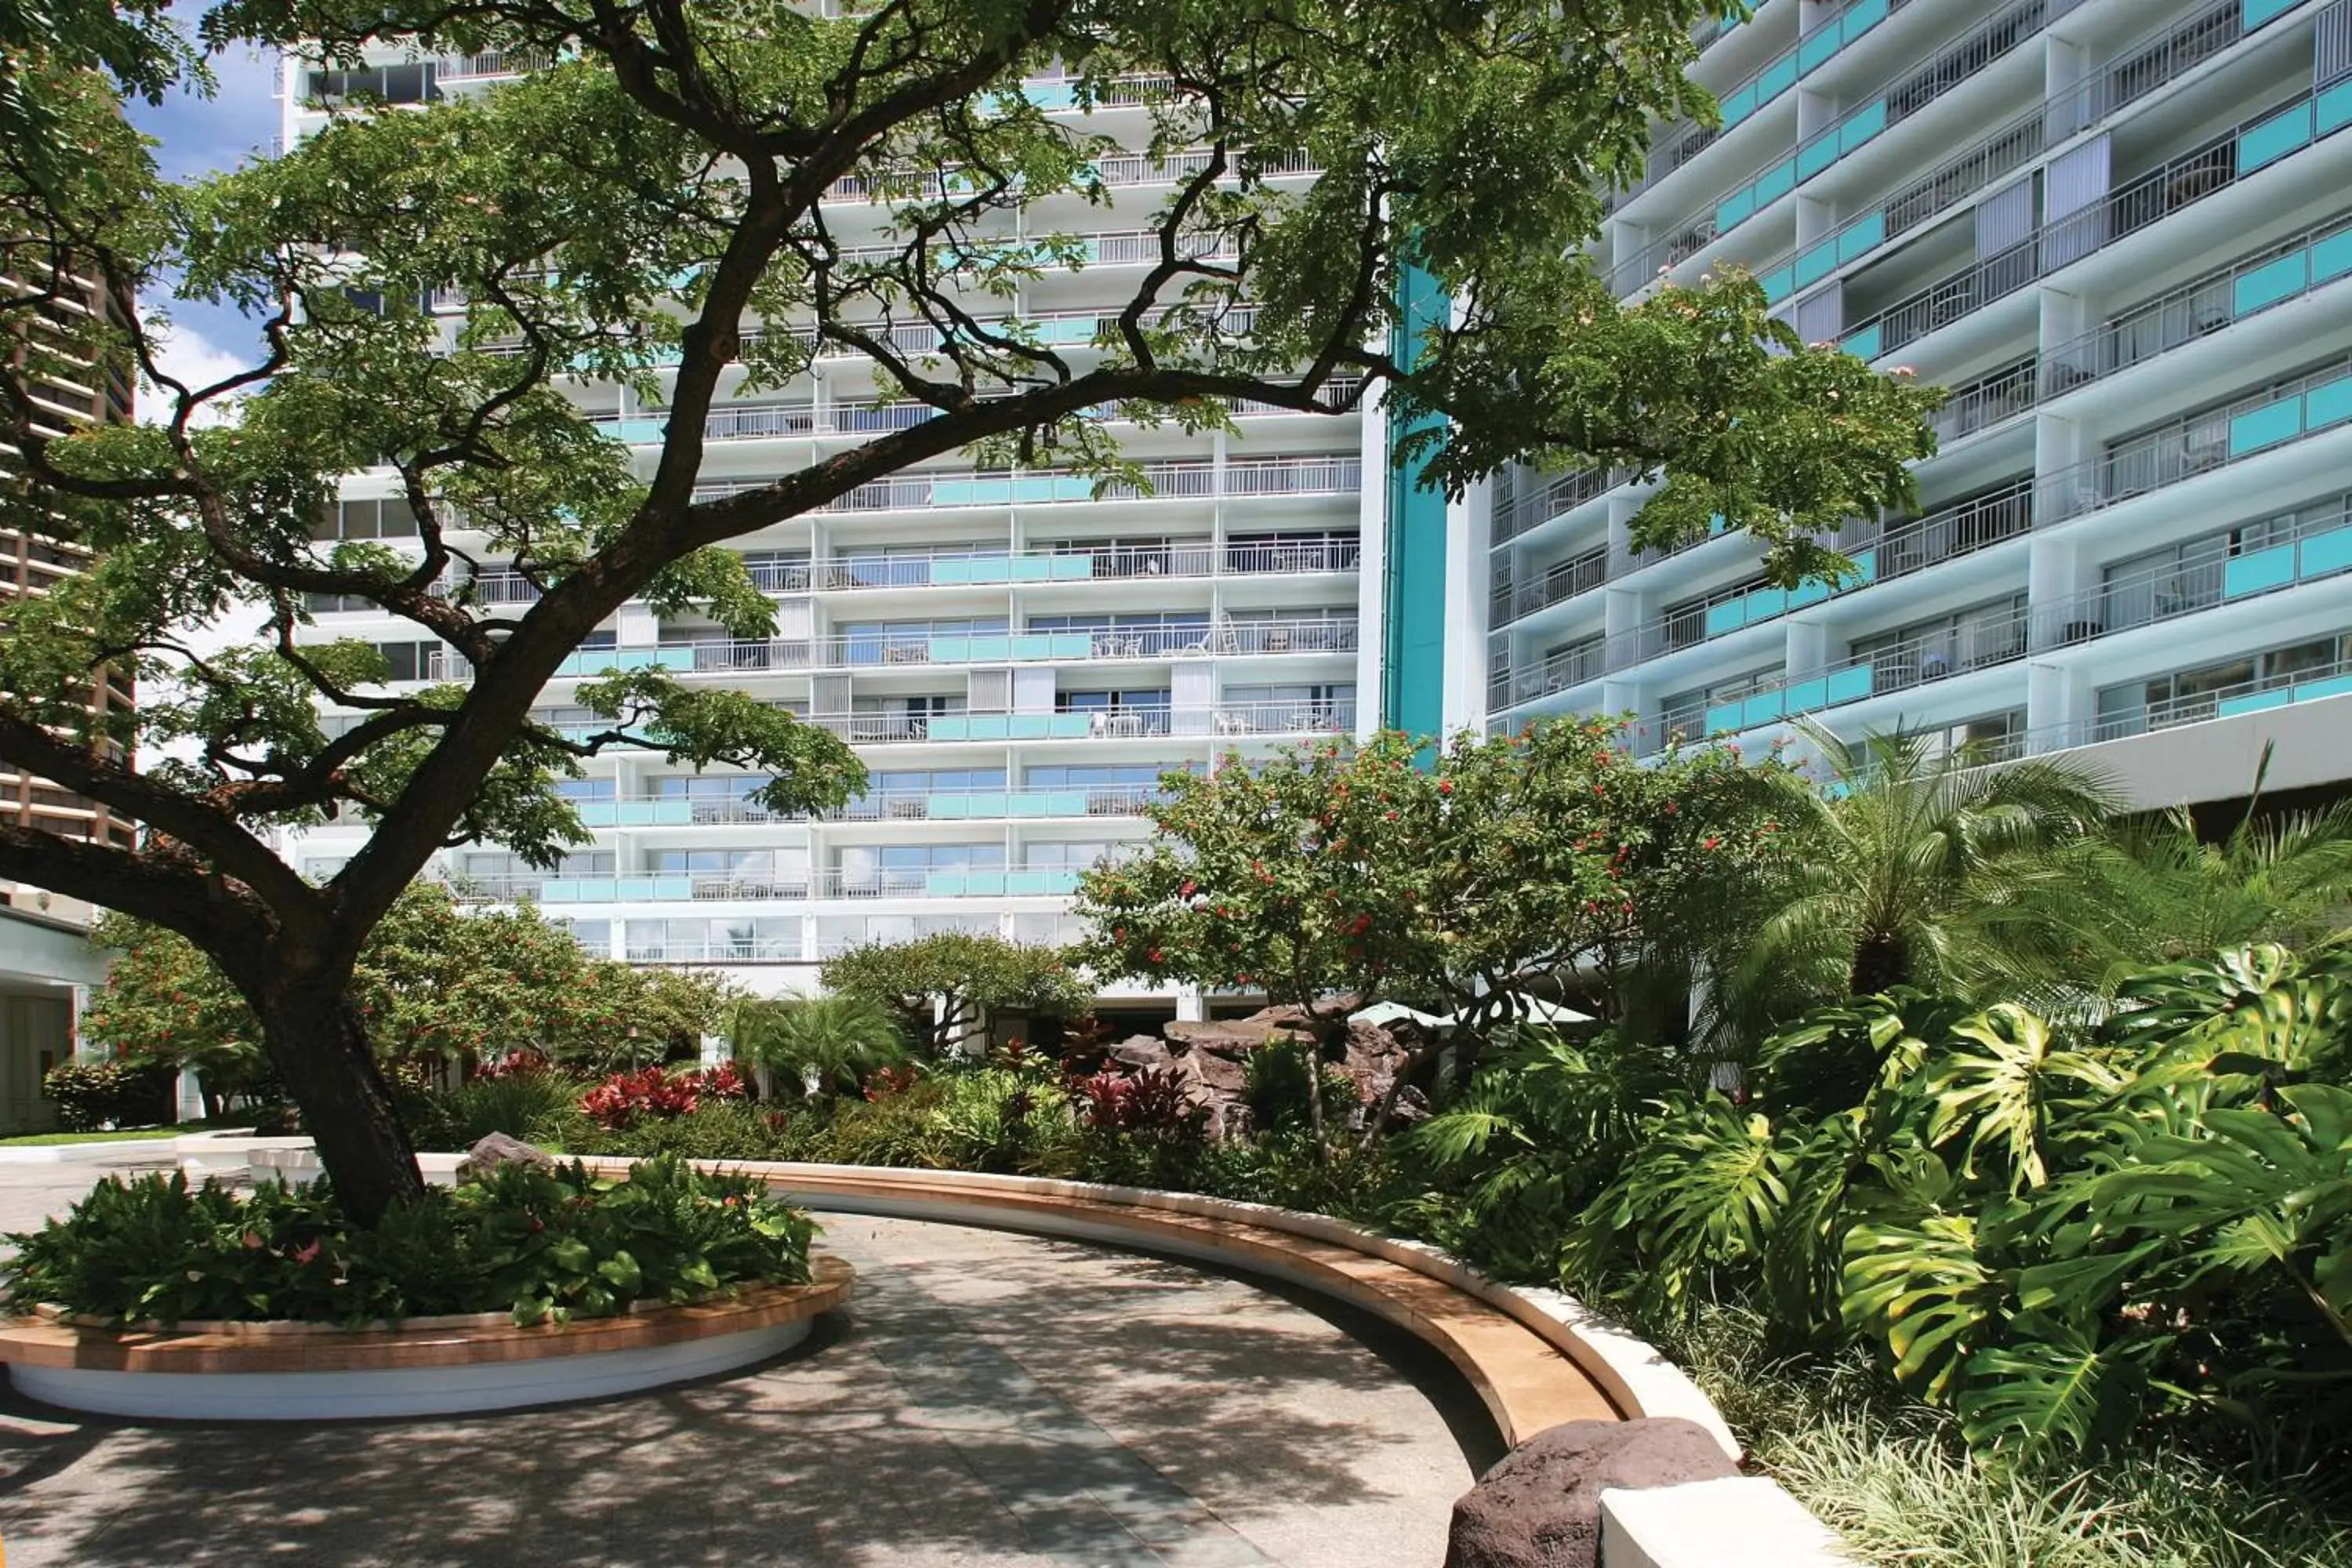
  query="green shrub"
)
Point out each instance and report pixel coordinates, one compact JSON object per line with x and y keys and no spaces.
{"x":714,"y":1129}
{"x":536,"y":1107}
{"x":538,"y":1244}
{"x":90,"y":1096}
{"x":1274,"y":1085}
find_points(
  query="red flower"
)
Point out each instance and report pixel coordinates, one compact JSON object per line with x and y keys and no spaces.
{"x":305,"y":1254}
{"x":1711,"y":843}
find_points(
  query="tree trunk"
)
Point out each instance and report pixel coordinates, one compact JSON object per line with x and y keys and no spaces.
{"x":1881,"y":963}
{"x":319,"y":1047}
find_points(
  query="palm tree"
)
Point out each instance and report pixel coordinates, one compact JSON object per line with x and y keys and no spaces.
{"x":2157,"y":892}
{"x":1905,"y":861}
{"x":820,"y":1041}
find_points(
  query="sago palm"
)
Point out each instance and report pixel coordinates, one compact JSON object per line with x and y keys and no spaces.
{"x":1903,"y":861}
{"x":820,"y":1041}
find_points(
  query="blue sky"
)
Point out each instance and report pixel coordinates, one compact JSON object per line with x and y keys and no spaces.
{"x":196,"y":136}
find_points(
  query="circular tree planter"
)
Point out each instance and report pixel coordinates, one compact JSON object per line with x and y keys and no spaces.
{"x":426,"y":1366}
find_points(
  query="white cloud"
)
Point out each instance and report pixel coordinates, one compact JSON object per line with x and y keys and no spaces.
{"x":196,"y":362}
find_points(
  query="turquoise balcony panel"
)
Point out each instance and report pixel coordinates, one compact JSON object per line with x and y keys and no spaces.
{"x":947,"y":884}
{"x":2332,"y":110}
{"x":1050,"y":95}
{"x":1766,"y":602}
{"x":1030,"y":726}
{"x":1806,"y":695}
{"x":975,"y":569}
{"x":1864,"y":234}
{"x":1849,"y":685}
{"x":1862,"y":125}
{"x":1763,"y":708}
{"x":1735,"y":211}
{"x":1812,"y":591}
{"x":1776,"y":181}
{"x":1067,"y":803}
{"x":2324,"y":554}
{"x":1863,"y":344}
{"x":1069,"y":568}
{"x":2266,"y":427}
{"x":1816,"y":264}
{"x":2330,"y":686}
{"x":2331,"y":259}
{"x":2273,"y":139}
{"x":1816,"y":156}
{"x":2328,"y":405}
{"x":950,"y":727}
{"x":1779,"y":284}
{"x":1070,"y":727}
{"x":1859,"y":19}
{"x":2257,"y":12}
{"x":637,"y":429}
{"x":1865,"y":568}
{"x":1074,"y":330}
{"x":1739,"y":106}
{"x":957,"y":492}
{"x":980,"y":804}
{"x":2270,"y":283}
{"x":599,"y":813}
{"x":1726,"y":717}
{"x":1727,"y":616}
{"x":2253,"y":703}
{"x":2258,"y":571}
{"x":1814,"y":52}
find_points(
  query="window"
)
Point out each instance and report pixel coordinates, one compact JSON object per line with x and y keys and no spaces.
{"x":587,"y":789}
{"x":927,"y":780}
{"x":387,"y":519}
{"x":772,"y":871}
{"x":2185,"y":696}
{"x":1980,"y":635}
{"x":909,"y":642}
{"x":753,"y":939}
{"x":778,"y":571}
{"x":596,"y":936}
{"x":710,"y":786}
{"x":1075,"y":856}
{"x":1304,"y":550}
{"x":413,"y":82}
{"x":1107,"y":775}
{"x":409,"y":660}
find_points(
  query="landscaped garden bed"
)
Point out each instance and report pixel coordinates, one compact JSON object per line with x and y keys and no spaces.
{"x":533,"y":1284}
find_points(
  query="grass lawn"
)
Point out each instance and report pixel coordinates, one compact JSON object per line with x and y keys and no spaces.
{"x":132,"y":1135}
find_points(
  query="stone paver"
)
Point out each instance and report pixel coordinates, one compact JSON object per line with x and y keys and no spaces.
{"x":991,"y":1401}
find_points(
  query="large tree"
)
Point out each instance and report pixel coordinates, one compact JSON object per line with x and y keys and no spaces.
{"x":946,"y":985}
{"x":658,"y":198}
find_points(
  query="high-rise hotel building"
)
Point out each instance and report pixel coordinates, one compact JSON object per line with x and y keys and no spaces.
{"x":2120,"y":231}
{"x":73,"y":384}
{"x":1016,"y":660}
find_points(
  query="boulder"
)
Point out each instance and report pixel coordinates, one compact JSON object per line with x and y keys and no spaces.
{"x":496,"y":1149}
{"x":1141,"y":1051}
{"x":1540,"y":1506}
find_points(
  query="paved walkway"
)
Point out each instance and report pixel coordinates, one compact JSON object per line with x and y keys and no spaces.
{"x":992,"y":1401}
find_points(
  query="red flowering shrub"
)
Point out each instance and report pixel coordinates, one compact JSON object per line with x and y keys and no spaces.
{"x":625,"y":1098}
{"x":514,"y":1064}
{"x":884,"y":1082}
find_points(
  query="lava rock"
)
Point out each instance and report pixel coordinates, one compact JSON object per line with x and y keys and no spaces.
{"x":1540,"y":1506}
{"x":496,"y":1149}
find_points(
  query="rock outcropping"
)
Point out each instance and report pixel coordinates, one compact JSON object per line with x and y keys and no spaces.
{"x":1540,"y":1506}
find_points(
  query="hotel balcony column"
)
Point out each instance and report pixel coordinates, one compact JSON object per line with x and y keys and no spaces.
{"x":1813,"y":646}
{"x":1371,"y":559}
{"x":1469,"y":524}
{"x":1623,"y":611}
{"x":2060,"y":447}
{"x":2065,"y":317}
{"x":2066,"y":64}
{"x":639,"y":627}
{"x":2057,"y":701}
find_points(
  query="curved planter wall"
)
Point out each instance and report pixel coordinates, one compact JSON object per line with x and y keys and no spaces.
{"x":302,"y":1372}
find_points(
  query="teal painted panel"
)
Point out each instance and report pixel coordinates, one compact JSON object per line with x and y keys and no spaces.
{"x":1763,"y":708}
{"x":1069,"y":727}
{"x":1865,"y":567}
{"x":947,"y":884}
{"x":1039,"y":884}
{"x":2270,"y":283}
{"x":954,"y":726}
{"x":1863,"y":344}
{"x":1817,"y":155}
{"x":1739,"y":107}
{"x":598,"y":813}
{"x":950,"y":807}
{"x":1849,"y":685}
{"x":1766,"y":602}
{"x":1807,"y":695}
{"x":955,"y":492}
{"x":987,"y":727}
{"x":1776,"y":78}
{"x":2280,"y":421}
{"x":553,"y":892}
{"x":1862,"y":125}
{"x":1029,"y":727}
{"x":981,"y":804}
{"x":1812,"y":591}
{"x":2332,"y":110}
{"x":1779,"y":284}
{"x":1734,"y":211}
{"x":1073,"y":644}
{"x":2334,"y":685}
{"x":1070,"y":568}
{"x":2332,"y":257}
{"x":1816,"y":264}
{"x":1814,"y":52}
{"x":2258,"y":573}
{"x":1726,"y":717}
{"x":1067,"y":803}
{"x":1776,"y":181}
{"x":1727,"y":616}
{"x":950,"y":573}
{"x":2273,"y":139}
{"x":2255,"y":703}
{"x":1414,"y":615}
{"x":2328,"y":405}
{"x":2324,"y":554}
{"x":1864,"y":234}
{"x":1861,"y":20}
{"x":637,"y":429}
{"x":2257,"y":12}
{"x":1050,"y":95}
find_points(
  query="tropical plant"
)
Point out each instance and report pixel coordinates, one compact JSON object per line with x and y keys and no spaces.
{"x":542,"y":1244}
{"x":821,"y":1044}
{"x":653,"y":1093}
{"x":115,"y":1092}
{"x":943,"y":986}
{"x":634,"y":211}
{"x":538,"y":1107}
{"x":1899,"y":861}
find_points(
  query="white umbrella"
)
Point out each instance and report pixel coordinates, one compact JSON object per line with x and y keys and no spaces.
{"x":1531,"y":1010}
{"x":1384,"y":1012}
